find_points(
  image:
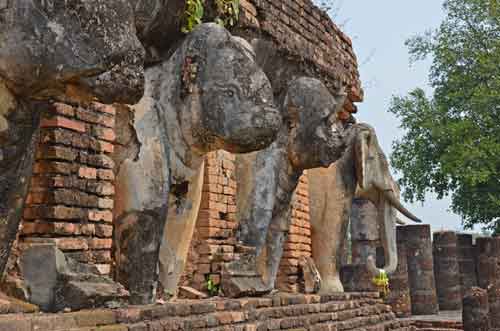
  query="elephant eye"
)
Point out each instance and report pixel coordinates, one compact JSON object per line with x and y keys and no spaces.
{"x":230,"y":93}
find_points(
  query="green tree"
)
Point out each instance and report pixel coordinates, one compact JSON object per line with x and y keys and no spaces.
{"x":451,"y":144}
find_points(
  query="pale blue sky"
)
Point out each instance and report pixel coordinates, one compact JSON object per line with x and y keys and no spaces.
{"x":378,"y":30}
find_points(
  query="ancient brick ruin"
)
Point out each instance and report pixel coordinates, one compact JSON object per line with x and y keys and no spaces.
{"x":82,"y":144}
{"x":71,"y":197}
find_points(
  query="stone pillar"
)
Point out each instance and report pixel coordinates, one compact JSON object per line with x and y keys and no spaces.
{"x":494,"y":305}
{"x":475,"y":315}
{"x":357,"y":278}
{"x":365,"y":236}
{"x":418,"y":244}
{"x":446,"y":272}
{"x":399,"y":295}
{"x":72,"y":192}
{"x":488,"y":259}
{"x":466,"y":262}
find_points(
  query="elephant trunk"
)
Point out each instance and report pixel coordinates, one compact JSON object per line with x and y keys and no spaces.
{"x":387,"y":220}
{"x":388,"y":205}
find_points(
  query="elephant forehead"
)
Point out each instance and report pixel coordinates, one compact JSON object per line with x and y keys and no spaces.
{"x":232,"y":64}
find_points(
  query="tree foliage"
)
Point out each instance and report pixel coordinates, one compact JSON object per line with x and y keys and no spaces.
{"x":452,"y":138}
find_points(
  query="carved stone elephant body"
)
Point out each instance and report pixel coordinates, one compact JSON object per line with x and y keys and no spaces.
{"x":208,"y":95}
{"x":268,"y":178}
{"x":363,"y":171}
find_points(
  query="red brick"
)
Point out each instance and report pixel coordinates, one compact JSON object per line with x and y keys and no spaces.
{"x":105,"y":203}
{"x":95,"y":117}
{"x":107,"y":109}
{"x":63,"y":122}
{"x":100,"y":216}
{"x":88,"y":173}
{"x":105,"y":174}
{"x":103,"y":133}
{"x":63,"y":109}
{"x":105,"y":147}
{"x":95,"y":243}
{"x":103,"y":231}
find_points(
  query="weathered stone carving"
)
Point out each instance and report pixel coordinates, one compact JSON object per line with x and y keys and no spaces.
{"x":50,"y":46}
{"x":209,"y":95}
{"x":312,"y":137}
{"x":56,"y":282}
{"x":363,"y":171}
{"x":17,"y":143}
{"x":158,"y":24}
{"x":68,"y":50}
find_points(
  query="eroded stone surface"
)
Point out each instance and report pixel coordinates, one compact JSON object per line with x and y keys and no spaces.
{"x":18,"y":138}
{"x":310,"y":138}
{"x":56,"y":282}
{"x":208,"y":95}
{"x":48,"y":45}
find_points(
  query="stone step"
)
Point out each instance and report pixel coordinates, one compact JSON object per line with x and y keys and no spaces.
{"x":347,"y":311}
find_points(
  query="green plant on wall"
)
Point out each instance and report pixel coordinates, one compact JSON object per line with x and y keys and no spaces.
{"x":213,"y":289}
{"x":228,"y":12}
{"x":193,"y":15}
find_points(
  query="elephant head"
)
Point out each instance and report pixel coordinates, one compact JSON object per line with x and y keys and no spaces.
{"x":375,"y":183}
{"x":219,"y":97}
{"x":315,"y":137}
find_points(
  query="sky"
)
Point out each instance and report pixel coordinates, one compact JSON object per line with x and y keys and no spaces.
{"x":378,"y":30}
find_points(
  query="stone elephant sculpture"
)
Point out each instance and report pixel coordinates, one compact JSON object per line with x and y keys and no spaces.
{"x":268,"y":178}
{"x":210,"y":94}
{"x":363,"y":171}
{"x":56,"y":50}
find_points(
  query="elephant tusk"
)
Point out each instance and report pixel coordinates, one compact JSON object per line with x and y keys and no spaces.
{"x":400,"y":221}
{"x":371,"y":266}
{"x":396,"y":204}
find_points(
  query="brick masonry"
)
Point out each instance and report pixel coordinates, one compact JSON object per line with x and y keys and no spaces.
{"x":214,"y":238}
{"x":298,"y":242}
{"x":303,"y":31}
{"x":71,"y":197}
{"x":214,"y":242}
{"x":353,"y":311}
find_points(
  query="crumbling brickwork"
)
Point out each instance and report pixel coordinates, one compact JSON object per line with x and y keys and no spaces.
{"x":303,"y":31}
{"x":298,"y":242}
{"x":349,"y":311}
{"x":71,"y":197}
{"x":214,"y":241}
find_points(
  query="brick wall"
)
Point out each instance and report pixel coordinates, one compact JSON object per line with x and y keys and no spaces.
{"x":303,"y":31}
{"x":214,"y":239}
{"x":71,"y":197}
{"x":298,"y":242}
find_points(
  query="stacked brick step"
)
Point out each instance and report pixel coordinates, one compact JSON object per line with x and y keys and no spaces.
{"x":71,"y":197}
{"x":438,"y":326}
{"x":349,"y":311}
{"x":298,"y":242}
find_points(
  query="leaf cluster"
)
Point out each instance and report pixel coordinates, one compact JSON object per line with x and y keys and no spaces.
{"x":228,"y":12}
{"x":452,"y":138}
{"x":193,"y":15}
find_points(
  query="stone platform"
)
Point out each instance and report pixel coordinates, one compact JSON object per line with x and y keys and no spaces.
{"x":346,"y":311}
{"x":444,"y":321}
